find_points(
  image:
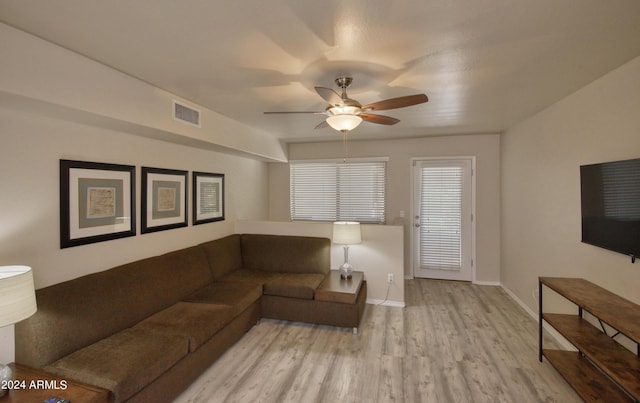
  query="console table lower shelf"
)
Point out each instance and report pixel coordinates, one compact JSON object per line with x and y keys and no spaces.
{"x":584,"y":378}
{"x":601,"y":370}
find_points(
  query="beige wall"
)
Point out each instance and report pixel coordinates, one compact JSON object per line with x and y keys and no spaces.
{"x":31,"y":149}
{"x":541,"y":228}
{"x":56,"y":104}
{"x":38,"y":74}
{"x":486,"y":149}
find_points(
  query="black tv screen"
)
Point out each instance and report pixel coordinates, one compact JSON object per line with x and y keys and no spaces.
{"x":610,"y":196}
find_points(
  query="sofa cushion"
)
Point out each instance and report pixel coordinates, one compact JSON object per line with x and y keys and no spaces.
{"x":238,"y":296}
{"x":197,"y":322}
{"x":286,"y":254}
{"x":293,"y":285}
{"x":123,"y":363}
{"x":181,"y":272}
{"x":223,"y":255}
{"x":247,"y":276}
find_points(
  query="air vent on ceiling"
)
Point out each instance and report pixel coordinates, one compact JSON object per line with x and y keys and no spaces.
{"x":186,"y":114}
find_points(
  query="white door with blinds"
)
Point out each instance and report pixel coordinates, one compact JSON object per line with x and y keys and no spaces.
{"x":442,"y":219}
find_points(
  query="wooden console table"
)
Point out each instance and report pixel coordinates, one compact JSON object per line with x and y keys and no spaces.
{"x":602,"y":369}
{"x":34,"y":386}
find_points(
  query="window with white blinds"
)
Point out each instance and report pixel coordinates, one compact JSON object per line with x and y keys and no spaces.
{"x":338,"y":191}
{"x":441,"y":217}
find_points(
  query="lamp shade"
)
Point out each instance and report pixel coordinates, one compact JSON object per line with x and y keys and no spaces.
{"x":346,"y":233}
{"x":17,"y":294}
{"x":344,"y":122}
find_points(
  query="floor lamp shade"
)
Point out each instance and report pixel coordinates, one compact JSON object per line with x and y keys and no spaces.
{"x":17,"y":294}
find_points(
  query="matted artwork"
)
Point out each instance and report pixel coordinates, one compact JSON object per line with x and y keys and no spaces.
{"x":97,"y":202}
{"x":208,"y":197}
{"x":164,"y":199}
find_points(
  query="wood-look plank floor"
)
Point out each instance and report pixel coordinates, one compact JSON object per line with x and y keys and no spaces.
{"x":454,"y":342}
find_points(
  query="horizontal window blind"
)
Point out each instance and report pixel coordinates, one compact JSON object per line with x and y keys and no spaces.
{"x":338,"y":191}
{"x":441,"y":218}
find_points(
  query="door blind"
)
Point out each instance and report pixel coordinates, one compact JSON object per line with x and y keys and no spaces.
{"x":441,"y":218}
{"x":338,"y":191}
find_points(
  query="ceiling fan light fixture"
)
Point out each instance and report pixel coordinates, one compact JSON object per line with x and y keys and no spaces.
{"x":342,"y":123}
{"x":345,"y":114}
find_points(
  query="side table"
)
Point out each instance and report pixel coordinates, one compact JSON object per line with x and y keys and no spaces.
{"x":344,"y":294}
{"x":34,"y":386}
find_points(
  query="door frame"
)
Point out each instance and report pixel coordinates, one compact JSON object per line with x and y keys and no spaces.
{"x":413,"y":208}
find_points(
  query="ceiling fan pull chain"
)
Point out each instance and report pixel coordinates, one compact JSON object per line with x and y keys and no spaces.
{"x":346,"y":147}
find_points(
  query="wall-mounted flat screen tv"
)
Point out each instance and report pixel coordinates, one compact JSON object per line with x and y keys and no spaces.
{"x":610,"y":195}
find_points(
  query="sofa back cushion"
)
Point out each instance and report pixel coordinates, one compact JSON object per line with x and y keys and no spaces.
{"x":223,"y":254}
{"x":79,"y":312}
{"x":286,"y":254}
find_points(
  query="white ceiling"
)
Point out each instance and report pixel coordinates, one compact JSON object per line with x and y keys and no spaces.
{"x":485,"y":64}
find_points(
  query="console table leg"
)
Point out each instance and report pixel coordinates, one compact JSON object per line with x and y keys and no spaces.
{"x":355,"y":330}
{"x":540,"y":320}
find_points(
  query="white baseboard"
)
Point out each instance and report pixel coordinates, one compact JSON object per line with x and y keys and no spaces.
{"x":395,"y":304}
{"x":553,"y":332}
{"x":491,"y":283}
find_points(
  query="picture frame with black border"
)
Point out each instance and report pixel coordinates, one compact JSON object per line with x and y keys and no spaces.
{"x":164,"y":199}
{"x":97,"y":202}
{"x":208,"y":197}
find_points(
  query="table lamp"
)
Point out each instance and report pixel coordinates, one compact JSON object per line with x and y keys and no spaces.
{"x":346,"y":233}
{"x":17,"y":302}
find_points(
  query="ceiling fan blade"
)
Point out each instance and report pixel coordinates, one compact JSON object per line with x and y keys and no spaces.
{"x":307,"y":112}
{"x":379,"y":119}
{"x":322,"y":125}
{"x":329,"y":95}
{"x":395,"y":103}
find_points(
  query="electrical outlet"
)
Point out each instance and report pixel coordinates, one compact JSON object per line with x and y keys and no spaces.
{"x":390,"y":278}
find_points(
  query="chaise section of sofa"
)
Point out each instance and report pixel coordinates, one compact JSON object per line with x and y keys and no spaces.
{"x":125,"y":362}
{"x":290,"y":269}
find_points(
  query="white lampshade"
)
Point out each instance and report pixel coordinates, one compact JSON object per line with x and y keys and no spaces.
{"x":346,"y":233}
{"x":17,"y":294}
{"x":344,"y":122}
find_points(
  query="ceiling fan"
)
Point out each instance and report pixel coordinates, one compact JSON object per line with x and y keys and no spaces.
{"x":345,"y":114}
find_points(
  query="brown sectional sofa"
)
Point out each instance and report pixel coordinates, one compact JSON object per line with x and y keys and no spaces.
{"x":145,"y":330}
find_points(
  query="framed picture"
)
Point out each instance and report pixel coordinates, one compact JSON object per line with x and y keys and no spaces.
{"x":97,"y":202}
{"x":164,"y":199}
{"x":208,"y":197}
